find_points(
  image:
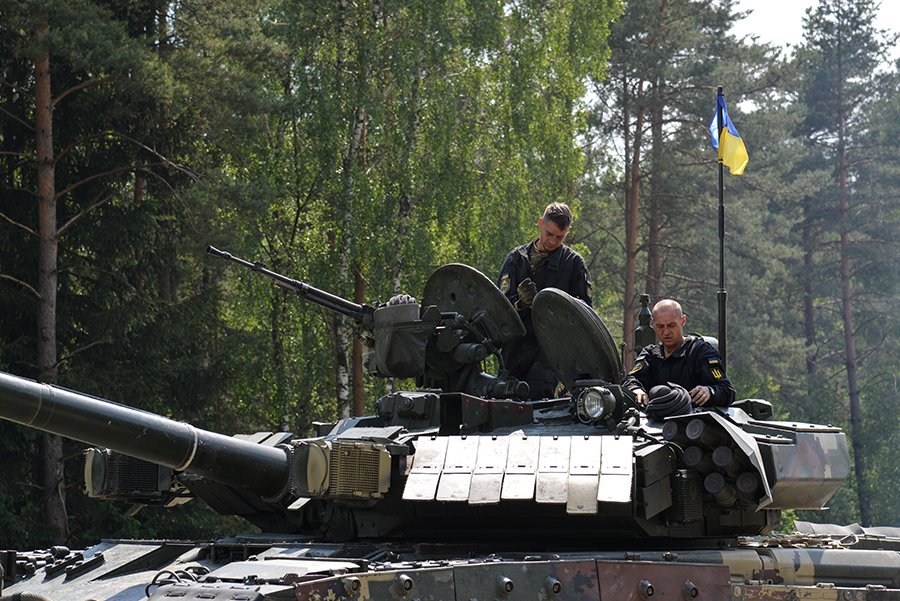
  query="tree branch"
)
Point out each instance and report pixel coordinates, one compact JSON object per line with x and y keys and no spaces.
{"x":64,"y":227}
{"x":24,"y":285}
{"x":27,"y":229}
{"x":24,"y":124}
{"x":193,"y":176}
{"x":68,"y":356}
{"x":90,"y":178}
{"x":175,"y":193}
{"x":83,"y":85}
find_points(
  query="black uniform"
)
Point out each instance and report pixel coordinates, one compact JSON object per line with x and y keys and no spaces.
{"x":695,"y":363}
{"x":563,"y":269}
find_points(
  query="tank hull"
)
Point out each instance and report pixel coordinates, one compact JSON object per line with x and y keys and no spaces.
{"x":282,"y":568}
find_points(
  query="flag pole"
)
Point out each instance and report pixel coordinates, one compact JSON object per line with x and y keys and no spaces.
{"x":721,"y":295}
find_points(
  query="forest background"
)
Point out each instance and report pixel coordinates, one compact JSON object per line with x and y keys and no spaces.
{"x":358,"y":146}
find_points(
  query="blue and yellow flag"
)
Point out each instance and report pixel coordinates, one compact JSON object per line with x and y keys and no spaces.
{"x":732,"y":152}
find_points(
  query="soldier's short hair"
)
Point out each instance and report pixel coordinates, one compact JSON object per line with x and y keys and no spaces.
{"x":668,"y":303}
{"x":559,"y":213}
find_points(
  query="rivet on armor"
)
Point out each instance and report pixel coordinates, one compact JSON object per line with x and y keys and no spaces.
{"x":552,"y":585}
{"x":504,"y":586}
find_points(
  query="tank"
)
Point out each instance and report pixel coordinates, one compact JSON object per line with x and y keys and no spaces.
{"x":457,"y":490}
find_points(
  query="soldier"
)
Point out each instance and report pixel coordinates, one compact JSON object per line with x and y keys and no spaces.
{"x":689,"y":361}
{"x":545,"y":262}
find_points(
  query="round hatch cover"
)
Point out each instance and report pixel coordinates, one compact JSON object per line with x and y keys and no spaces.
{"x":574,"y":338}
{"x":458,"y":288}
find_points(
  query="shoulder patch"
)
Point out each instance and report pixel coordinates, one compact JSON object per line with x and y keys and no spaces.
{"x":639,"y":364}
{"x":504,"y":283}
{"x":715,"y":368}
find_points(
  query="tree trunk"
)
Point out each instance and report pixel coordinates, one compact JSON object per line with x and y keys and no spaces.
{"x":809,"y":306}
{"x":633,"y":188}
{"x":654,"y":217}
{"x":341,"y":329}
{"x":857,"y":428}
{"x":279,"y":366}
{"x":408,"y":197}
{"x":52,"y":481}
{"x":359,"y":389}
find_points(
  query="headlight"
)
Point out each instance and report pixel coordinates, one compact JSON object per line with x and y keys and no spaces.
{"x":594,"y":403}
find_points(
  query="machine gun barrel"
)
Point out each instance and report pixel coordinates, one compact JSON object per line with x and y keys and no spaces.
{"x":144,"y":435}
{"x":302,"y":289}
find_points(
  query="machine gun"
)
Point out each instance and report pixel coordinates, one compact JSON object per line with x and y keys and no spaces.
{"x":360,"y":313}
{"x":463,"y":318}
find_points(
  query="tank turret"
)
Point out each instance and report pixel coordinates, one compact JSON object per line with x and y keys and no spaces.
{"x":482,"y":465}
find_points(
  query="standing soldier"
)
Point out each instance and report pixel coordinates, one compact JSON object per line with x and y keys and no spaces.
{"x":545,"y":262}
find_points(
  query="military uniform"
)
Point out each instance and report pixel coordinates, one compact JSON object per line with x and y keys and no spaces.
{"x":695,"y":363}
{"x":563,"y":268}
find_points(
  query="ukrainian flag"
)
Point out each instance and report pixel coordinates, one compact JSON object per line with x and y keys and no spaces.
{"x":732,"y":152}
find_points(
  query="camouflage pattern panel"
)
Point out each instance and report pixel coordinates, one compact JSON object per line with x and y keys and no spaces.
{"x":807,"y":473}
{"x":639,"y":581}
{"x":512,"y":581}
{"x":317,"y":572}
{"x":433,"y":583}
{"x":528,"y":581}
{"x":810,"y":566}
{"x":584,"y":580}
{"x":776,"y":592}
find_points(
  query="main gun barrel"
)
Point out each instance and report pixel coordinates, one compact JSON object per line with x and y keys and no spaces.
{"x":144,"y":435}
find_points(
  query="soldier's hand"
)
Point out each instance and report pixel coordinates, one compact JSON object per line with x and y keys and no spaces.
{"x":526,"y":291}
{"x":640,"y":397}
{"x":700,"y":395}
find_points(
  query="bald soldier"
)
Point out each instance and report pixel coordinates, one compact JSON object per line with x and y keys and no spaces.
{"x":689,"y":361}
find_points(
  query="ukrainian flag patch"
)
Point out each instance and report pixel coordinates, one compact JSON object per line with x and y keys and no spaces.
{"x":504,"y":283}
{"x":639,"y":364}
